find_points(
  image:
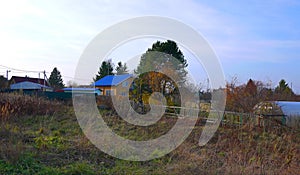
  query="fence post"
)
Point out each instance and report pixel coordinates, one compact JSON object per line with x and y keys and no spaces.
{"x":283,"y":120}
{"x":241,"y":119}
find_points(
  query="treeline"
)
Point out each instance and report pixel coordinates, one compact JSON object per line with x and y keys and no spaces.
{"x":157,"y":66}
{"x":162,"y":69}
{"x":107,"y":68}
{"x":242,"y":98}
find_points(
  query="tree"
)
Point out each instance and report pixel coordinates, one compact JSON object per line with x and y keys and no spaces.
{"x":251,"y":88}
{"x":105,"y":69}
{"x":121,"y":69}
{"x":283,"y":86}
{"x":251,"y":96}
{"x":3,"y":82}
{"x":55,"y":79}
{"x":72,"y":83}
{"x":159,"y":57}
{"x":283,"y":91}
{"x":244,"y":97}
{"x":169,"y":48}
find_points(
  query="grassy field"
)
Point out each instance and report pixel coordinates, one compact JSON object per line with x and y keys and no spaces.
{"x":38,"y":136}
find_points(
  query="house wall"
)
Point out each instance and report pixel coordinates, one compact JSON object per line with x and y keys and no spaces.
{"x":120,"y":90}
{"x":105,"y":88}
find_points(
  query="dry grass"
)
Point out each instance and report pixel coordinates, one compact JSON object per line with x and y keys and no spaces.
{"x":54,"y":140}
{"x":14,"y":105}
{"x":246,"y":150}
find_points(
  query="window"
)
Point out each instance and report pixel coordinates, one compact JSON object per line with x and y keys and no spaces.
{"x":123,"y":93}
{"x":125,"y":84}
{"x":109,"y":92}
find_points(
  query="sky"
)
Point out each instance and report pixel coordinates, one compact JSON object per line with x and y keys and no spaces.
{"x":252,"y":39}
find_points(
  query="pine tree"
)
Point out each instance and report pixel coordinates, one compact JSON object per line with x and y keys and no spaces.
{"x":159,"y":57}
{"x":167,"y":49}
{"x":55,"y":79}
{"x":105,"y":69}
{"x":121,"y":69}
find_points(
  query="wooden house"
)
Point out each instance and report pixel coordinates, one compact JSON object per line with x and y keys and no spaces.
{"x":114,"y":84}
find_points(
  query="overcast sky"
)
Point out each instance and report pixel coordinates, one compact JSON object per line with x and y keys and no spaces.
{"x":253,"y":39}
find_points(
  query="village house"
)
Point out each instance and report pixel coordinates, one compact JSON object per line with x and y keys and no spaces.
{"x":114,"y":84}
{"x":27,"y":83}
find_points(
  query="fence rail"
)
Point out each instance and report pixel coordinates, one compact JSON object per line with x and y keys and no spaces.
{"x":226,"y":117}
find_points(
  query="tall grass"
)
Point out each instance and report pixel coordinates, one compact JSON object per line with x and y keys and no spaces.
{"x":19,"y":105}
{"x":57,"y":145}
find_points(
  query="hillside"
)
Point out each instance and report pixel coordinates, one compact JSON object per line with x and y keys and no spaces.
{"x":38,"y":136}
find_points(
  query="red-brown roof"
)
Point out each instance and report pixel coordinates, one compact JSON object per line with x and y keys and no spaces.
{"x":16,"y":79}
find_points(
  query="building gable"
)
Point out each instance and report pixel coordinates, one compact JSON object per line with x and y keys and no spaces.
{"x":112,"y":80}
{"x":16,"y":79}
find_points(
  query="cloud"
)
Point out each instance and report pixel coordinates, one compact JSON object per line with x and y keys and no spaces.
{"x":55,"y":33}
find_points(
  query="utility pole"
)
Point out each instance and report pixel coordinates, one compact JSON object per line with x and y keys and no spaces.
{"x":207,"y":86}
{"x":7,"y":73}
{"x":291,"y":89}
{"x":44,"y":79}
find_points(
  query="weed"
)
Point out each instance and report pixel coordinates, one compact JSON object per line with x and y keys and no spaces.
{"x":79,"y":168}
{"x":50,"y":132}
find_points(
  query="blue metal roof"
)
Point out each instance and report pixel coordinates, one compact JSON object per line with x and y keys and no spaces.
{"x":28,"y":85}
{"x":289,"y":107}
{"x":112,"y":80}
{"x":80,"y":89}
{"x":83,"y":90}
